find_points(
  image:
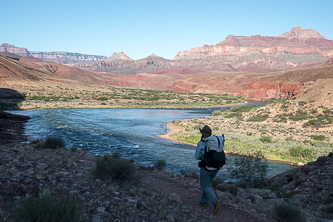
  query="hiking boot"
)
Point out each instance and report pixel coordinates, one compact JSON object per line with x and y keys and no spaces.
{"x":217,"y":206}
{"x":204,"y":206}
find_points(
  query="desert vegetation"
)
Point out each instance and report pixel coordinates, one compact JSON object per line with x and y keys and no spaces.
{"x":278,"y":130}
{"x":112,"y":97}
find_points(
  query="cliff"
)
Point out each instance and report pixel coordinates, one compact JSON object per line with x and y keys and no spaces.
{"x":57,"y":57}
{"x":294,"y":46}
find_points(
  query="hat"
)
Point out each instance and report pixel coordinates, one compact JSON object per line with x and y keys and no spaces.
{"x":206,"y":131}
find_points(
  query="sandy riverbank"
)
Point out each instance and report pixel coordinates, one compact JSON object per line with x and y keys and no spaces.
{"x":173,"y":129}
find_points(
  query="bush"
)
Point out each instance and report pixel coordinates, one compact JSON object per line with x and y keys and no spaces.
{"x":318,"y":137}
{"x":309,"y":153}
{"x":47,"y":208}
{"x":265,"y":139}
{"x":252,"y":171}
{"x":114,"y":168}
{"x":328,"y":208}
{"x":289,"y":213}
{"x":295,"y":151}
{"x":51,"y":143}
{"x":216,"y":113}
{"x":160,"y":164}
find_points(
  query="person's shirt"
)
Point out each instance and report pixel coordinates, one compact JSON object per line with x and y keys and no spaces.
{"x":200,"y":150}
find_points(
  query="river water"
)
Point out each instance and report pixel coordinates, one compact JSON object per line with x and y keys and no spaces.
{"x":130,"y":132}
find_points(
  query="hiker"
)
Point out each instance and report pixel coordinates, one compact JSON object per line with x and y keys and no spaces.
{"x":206,"y":176}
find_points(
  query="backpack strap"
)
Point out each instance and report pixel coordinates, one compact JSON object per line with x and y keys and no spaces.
{"x":218,"y":140}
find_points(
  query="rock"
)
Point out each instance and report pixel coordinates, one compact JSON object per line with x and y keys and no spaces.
{"x":90,"y":157}
{"x":175,"y":197}
{"x":228,"y":188}
{"x":42,"y":166}
{"x":251,"y":198}
{"x":264,"y":193}
{"x":132,"y":192}
{"x":300,"y":164}
{"x":192,"y":175}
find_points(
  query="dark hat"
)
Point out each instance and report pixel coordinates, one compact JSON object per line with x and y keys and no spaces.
{"x":206,"y":131}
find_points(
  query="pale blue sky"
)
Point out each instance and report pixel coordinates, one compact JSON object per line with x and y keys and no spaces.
{"x":162,"y":27}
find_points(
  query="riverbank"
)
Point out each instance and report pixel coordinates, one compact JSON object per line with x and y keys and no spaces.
{"x":258,"y":129}
{"x":175,"y":129}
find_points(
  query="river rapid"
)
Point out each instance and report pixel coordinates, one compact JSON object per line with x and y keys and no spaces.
{"x":130,"y":132}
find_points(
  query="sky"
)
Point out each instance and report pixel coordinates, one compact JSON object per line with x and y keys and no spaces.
{"x":160,"y":27}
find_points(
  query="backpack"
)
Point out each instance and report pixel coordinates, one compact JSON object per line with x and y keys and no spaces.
{"x":214,"y":156}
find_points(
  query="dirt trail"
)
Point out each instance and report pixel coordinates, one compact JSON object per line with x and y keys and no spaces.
{"x":191,"y":197}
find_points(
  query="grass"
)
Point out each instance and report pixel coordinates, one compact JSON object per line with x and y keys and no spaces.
{"x":47,"y":208}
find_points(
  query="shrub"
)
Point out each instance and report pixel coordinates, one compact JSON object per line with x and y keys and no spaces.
{"x":318,"y":137}
{"x":252,"y":171}
{"x":308,"y":153}
{"x":301,"y":103}
{"x":289,"y":213}
{"x":265,"y":139}
{"x":160,"y":164}
{"x":295,"y":151}
{"x":51,"y":143}
{"x":328,"y":208}
{"x":216,"y":113}
{"x":217,"y":181}
{"x":259,"y":118}
{"x":231,"y":115}
{"x":47,"y":208}
{"x":117,"y":169}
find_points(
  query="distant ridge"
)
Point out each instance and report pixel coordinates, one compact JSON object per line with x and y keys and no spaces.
{"x":57,"y":57}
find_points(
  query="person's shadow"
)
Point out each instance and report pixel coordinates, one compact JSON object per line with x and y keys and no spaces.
{"x":9,"y":99}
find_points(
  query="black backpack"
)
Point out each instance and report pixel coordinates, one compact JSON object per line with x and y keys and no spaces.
{"x":214,"y":157}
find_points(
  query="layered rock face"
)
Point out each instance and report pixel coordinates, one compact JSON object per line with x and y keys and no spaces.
{"x":294,"y":46}
{"x":121,"y":63}
{"x":5,"y":47}
{"x":57,"y":57}
{"x":66,"y":57}
{"x":234,"y":54}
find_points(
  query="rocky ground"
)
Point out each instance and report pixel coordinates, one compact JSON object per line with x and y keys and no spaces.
{"x":161,"y":195}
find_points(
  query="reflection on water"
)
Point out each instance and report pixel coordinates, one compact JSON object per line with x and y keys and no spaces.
{"x":129,"y":132}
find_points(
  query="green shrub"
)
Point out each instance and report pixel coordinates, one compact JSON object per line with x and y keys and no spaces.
{"x":295,"y":151}
{"x":231,"y":115}
{"x":216,"y":113}
{"x":265,"y":139}
{"x":51,"y":143}
{"x":318,"y":137}
{"x":289,"y":213}
{"x":47,"y":208}
{"x":251,"y":171}
{"x":301,"y":103}
{"x":160,"y":164}
{"x":259,"y":118}
{"x":117,"y":169}
{"x":309,"y":153}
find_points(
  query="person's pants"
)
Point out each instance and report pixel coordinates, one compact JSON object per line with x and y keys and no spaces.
{"x":206,"y":178}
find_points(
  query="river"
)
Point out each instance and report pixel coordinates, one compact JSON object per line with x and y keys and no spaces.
{"x":130,"y":132}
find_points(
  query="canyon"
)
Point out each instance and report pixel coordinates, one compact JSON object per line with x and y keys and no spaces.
{"x":296,"y":64}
